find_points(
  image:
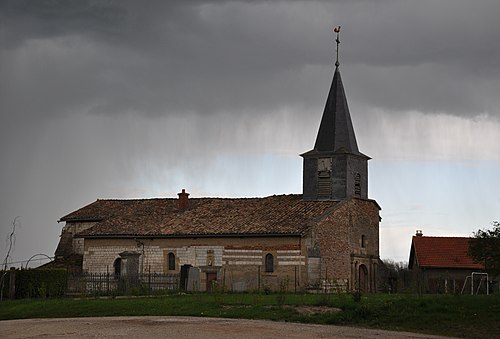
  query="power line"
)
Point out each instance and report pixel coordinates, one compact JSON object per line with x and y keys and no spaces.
{"x":25,"y":261}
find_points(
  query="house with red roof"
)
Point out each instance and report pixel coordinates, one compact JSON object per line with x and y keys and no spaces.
{"x":441,"y":264}
{"x":328,"y":236}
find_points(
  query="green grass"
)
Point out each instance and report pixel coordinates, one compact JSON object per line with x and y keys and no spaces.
{"x":462,"y":316}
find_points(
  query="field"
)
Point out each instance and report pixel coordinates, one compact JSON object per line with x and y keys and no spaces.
{"x":461,"y":316}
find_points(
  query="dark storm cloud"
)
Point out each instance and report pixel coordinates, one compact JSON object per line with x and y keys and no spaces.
{"x":139,"y":98}
{"x":169,"y":59}
{"x":107,"y":57}
{"x":28,"y":19}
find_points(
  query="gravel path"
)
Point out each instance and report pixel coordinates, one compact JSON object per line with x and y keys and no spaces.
{"x":183,"y":327}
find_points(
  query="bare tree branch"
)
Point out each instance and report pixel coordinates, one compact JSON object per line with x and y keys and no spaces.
{"x":12,"y":240}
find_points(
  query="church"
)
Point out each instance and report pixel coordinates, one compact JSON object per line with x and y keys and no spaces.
{"x":325,"y":238}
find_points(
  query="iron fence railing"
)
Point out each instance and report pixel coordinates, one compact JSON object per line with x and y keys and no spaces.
{"x":108,"y":283}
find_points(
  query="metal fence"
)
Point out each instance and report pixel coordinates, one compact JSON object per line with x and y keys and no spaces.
{"x":108,"y":283}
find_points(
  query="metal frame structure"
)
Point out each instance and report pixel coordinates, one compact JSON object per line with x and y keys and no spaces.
{"x":471,"y":277}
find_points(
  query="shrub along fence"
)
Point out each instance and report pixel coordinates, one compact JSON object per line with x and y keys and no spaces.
{"x":31,"y":283}
{"x":54,"y":283}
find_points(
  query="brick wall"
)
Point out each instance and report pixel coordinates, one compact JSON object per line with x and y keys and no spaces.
{"x":347,"y":239}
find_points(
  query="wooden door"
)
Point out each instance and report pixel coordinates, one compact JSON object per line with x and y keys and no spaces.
{"x":211,"y":278}
{"x":363,"y":278}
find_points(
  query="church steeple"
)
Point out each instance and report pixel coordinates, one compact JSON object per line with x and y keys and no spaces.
{"x":335,"y":169}
{"x":336,"y":131}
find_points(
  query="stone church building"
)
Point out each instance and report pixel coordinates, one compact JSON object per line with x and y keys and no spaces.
{"x":328,"y":236}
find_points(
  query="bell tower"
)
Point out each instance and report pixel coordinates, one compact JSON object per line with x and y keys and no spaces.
{"x":335,"y":169}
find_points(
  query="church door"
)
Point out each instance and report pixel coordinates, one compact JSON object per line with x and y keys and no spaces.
{"x":211,"y":278}
{"x":363,"y":278}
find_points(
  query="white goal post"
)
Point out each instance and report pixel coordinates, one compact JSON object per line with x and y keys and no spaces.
{"x":471,"y":277}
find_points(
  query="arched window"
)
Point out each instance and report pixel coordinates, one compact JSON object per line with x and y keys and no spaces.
{"x":117,"y":265}
{"x":171,"y":261}
{"x":269,"y":263}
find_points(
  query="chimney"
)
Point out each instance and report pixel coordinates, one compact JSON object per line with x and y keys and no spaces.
{"x":183,"y":200}
{"x":419,"y":233}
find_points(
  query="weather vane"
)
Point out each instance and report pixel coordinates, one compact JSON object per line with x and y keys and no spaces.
{"x":337,"y":40}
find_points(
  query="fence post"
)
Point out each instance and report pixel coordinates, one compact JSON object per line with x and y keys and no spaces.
{"x":295,"y":279}
{"x":12,"y":283}
{"x":149,"y":280}
{"x":224,"y":279}
{"x":107,"y":279}
{"x":258,"y":277}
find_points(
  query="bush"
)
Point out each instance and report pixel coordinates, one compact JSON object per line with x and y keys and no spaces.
{"x":356,"y":296}
{"x":38,"y":283}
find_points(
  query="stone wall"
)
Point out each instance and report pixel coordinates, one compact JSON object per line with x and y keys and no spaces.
{"x":70,"y":244}
{"x":239,"y":262}
{"x":341,"y":179}
{"x":341,"y":250}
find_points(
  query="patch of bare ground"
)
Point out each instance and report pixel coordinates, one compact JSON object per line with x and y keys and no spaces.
{"x":185,"y":327}
{"x":303,"y":309}
{"x":312,"y":310}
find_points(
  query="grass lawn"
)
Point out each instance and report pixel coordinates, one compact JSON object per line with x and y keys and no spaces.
{"x":461,"y":316}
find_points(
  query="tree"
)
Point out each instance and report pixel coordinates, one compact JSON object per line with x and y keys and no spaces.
{"x":484,"y":248}
{"x":396,"y":275}
{"x":12,"y":241}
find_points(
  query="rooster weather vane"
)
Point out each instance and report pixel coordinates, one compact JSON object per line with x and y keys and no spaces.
{"x":337,"y":40}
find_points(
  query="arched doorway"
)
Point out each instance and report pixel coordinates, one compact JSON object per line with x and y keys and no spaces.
{"x":363,"y":279}
{"x":117,"y":265}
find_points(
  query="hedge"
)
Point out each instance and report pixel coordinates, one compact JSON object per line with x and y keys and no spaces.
{"x":37,"y":283}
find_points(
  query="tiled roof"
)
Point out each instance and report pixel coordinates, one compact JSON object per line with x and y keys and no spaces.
{"x":442,"y":252}
{"x":278,"y":214}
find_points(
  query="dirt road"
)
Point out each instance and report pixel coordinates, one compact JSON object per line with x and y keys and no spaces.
{"x":183,"y":327}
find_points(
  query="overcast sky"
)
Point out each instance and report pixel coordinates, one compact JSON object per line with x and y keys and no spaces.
{"x":138,"y":99}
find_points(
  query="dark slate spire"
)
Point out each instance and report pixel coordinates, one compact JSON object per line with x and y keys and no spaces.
{"x":335,"y":169}
{"x":335,"y":131}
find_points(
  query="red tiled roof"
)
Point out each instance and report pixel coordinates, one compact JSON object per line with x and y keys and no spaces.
{"x":443,"y":252}
{"x":278,"y":214}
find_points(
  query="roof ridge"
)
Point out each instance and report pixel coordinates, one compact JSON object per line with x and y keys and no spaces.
{"x":198,"y":198}
{"x":441,"y":236}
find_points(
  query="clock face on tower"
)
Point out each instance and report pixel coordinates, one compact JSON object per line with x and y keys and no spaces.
{"x":324,"y":164}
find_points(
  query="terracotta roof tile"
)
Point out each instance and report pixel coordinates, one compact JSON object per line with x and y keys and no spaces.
{"x":443,"y":252}
{"x":278,"y":214}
